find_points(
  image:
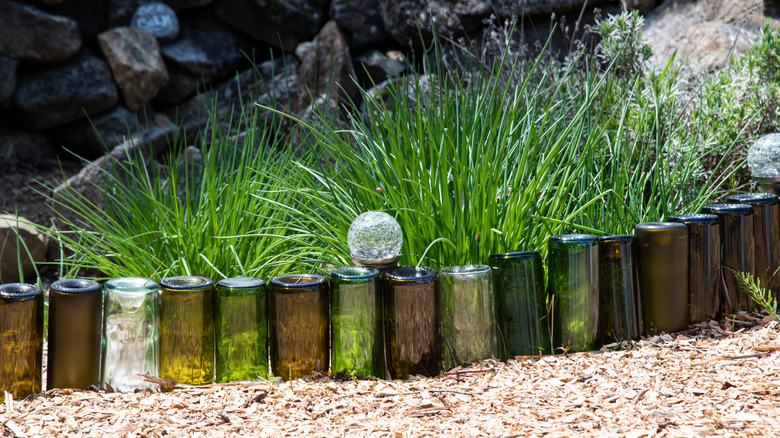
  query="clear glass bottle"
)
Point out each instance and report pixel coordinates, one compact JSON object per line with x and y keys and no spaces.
{"x":521,"y":304}
{"x":75,"y":326}
{"x":21,"y":339}
{"x":187,"y":329}
{"x":663,"y":274}
{"x":412,"y":322}
{"x":467,"y":309}
{"x":738,"y":252}
{"x":356,"y":330}
{"x":298,"y":318}
{"x":619,"y":298}
{"x":704,"y":274}
{"x":130,"y":334}
{"x":574,"y":290}
{"x":241,"y":329}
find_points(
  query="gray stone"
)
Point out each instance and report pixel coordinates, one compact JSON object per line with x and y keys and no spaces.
{"x":134,"y":57}
{"x":16,"y":236}
{"x":327,"y":68}
{"x":89,"y":15}
{"x":179,"y":5}
{"x":21,"y":145}
{"x":120,"y":12}
{"x":63,"y":94}
{"x":7,"y":80}
{"x":31,"y":35}
{"x":667,"y":338}
{"x":360,"y":21}
{"x":159,"y":19}
{"x":302,"y":49}
{"x":375,"y":66}
{"x":207,"y":49}
{"x":278,"y":23}
{"x":181,"y":86}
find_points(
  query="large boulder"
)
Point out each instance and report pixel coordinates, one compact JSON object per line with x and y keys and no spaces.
{"x":29,"y":34}
{"x":134,"y":57}
{"x":279,"y":23}
{"x":360,"y":21}
{"x":327,"y":68}
{"x":7,"y":80}
{"x":22,"y":246}
{"x":62,"y":94}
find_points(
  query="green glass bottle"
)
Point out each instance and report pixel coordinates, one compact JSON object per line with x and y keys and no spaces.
{"x":663,"y":275}
{"x":738,"y":252}
{"x":241,"y":329}
{"x":521,"y":304}
{"x":298,"y":318}
{"x":75,"y":327}
{"x":704,"y":274}
{"x":467,"y":309}
{"x":187,"y":330}
{"x":356,"y":330}
{"x":619,"y":298}
{"x":412,"y":322}
{"x":21,"y":339}
{"x":766,"y":236}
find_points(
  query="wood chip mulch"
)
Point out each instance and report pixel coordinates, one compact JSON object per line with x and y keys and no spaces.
{"x":717,"y":380}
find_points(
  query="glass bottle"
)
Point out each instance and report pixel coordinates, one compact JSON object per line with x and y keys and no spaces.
{"x":75,"y":329}
{"x":738,"y":252}
{"x":766,"y":236}
{"x":130,"y":333}
{"x":356,"y":330}
{"x":241,"y":329}
{"x":619,"y":296}
{"x":21,"y":339}
{"x":298,"y":318}
{"x":467,"y":309}
{"x":704,"y":275}
{"x":574,"y":291}
{"x":521,"y":304}
{"x":663,"y":274}
{"x":412,"y":322}
{"x":187,"y":330}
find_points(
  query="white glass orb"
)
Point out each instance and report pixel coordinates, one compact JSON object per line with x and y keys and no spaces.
{"x":764,"y":157}
{"x":374,"y":235}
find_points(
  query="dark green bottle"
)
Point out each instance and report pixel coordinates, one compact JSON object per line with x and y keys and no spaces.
{"x":704,"y":274}
{"x":738,"y":252}
{"x":521,"y":304}
{"x":241,"y":329}
{"x":663,"y":275}
{"x":21,"y":339}
{"x":574,"y":290}
{"x":356,"y":327}
{"x":619,"y":297}
{"x":298,"y":319}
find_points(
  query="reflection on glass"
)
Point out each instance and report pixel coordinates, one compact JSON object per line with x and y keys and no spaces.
{"x":21,"y":339}
{"x":619,"y":299}
{"x":241,"y":329}
{"x":356,"y":336}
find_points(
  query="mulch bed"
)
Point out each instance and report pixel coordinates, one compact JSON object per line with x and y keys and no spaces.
{"x":715,"y":380}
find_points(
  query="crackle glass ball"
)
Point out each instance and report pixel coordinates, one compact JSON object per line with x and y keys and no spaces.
{"x":374,"y":235}
{"x":764,"y":157}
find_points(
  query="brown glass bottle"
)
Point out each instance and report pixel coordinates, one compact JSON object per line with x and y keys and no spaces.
{"x":663,"y":274}
{"x":619,"y":297}
{"x":21,"y":339}
{"x":75,"y":327}
{"x":738,"y":252}
{"x":298,"y":318}
{"x":704,"y":272}
{"x":766,"y":236}
{"x":412,"y":322}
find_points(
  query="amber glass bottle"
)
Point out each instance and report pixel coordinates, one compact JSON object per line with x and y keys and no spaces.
{"x":766,"y":236}
{"x":704,"y":274}
{"x":21,"y":339}
{"x":298,"y":318}
{"x":663,"y":274}
{"x":75,"y":326}
{"x":412,"y":322}
{"x":241,"y":329}
{"x":187,"y":329}
{"x":619,"y":297}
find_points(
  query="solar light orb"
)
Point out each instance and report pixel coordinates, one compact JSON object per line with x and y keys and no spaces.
{"x":374,"y":235}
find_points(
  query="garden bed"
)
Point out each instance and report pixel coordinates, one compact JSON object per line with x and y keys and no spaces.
{"x":709,"y":381}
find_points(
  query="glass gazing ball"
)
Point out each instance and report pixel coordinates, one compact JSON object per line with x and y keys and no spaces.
{"x":764,"y":156}
{"x":374,"y":235}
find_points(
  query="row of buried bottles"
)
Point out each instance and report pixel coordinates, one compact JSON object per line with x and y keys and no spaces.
{"x":406,"y":321}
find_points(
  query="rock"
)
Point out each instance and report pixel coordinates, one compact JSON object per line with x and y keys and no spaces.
{"x":134,"y":57}
{"x":375,"y":66}
{"x":207,"y":49}
{"x":302,"y":49}
{"x":360,"y":21}
{"x":16,"y":234}
{"x":7,"y":80}
{"x":180,"y":86}
{"x":667,"y":337}
{"x":281,"y":24}
{"x":178,"y":5}
{"x":327,"y":68}
{"x":89,"y":15}
{"x":31,"y":35}
{"x":21,"y":145}
{"x":62,"y":94}
{"x":655,"y":340}
{"x":159,"y":19}
{"x":120,"y":12}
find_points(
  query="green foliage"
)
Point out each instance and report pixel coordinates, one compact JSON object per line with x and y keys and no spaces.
{"x":621,"y":43}
{"x":751,"y":285}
